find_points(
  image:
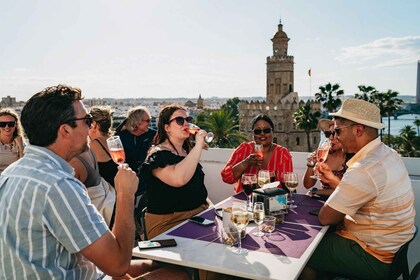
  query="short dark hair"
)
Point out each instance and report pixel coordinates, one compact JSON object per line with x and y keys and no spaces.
{"x":46,"y":111}
{"x":264,"y":118}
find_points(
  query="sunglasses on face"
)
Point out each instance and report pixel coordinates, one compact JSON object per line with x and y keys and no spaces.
{"x":337,"y":129}
{"x":146,"y":120}
{"x":181,"y":120}
{"x":9,"y":124}
{"x":329,"y":133}
{"x":258,"y":131}
{"x":88,"y":120}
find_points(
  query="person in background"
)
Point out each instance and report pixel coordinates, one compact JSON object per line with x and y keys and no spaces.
{"x":372,"y":206}
{"x":336,"y":161}
{"x":49,"y":228}
{"x":244,"y":160}
{"x":12,"y":145}
{"x":173,"y":174}
{"x":98,"y":133}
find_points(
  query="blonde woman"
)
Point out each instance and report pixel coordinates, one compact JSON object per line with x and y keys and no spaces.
{"x":11,"y":148}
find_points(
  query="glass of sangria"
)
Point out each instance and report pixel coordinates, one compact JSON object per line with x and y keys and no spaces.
{"x":116,"y":149}
{"x":194,"y":129}
{"x":258,"y":149}
{"x":322,"y":154}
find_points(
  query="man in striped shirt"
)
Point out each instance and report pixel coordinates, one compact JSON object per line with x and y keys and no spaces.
{"x":48,"y":227}
{"x":372,"y":206}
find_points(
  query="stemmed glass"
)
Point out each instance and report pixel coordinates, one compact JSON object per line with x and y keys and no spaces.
{"x":240,"y":219}
{"x":194,"y":129}
{"x":291,"y":182}
{"x":116,"y":149}
{"x":272,"y":176}
{"x":258,"y":149}
{"x":258,"y":217}
{"x":322,"y":154}
{"x":263,"y":177}
{"x":249,"y":183}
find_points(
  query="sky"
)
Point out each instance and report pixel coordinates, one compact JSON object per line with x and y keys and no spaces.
{"x":183,"y":48}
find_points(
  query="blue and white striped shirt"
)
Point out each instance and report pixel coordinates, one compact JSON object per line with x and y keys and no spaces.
{"x":46,"y":218}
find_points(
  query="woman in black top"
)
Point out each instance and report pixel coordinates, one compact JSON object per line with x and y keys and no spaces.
{"x":173,"y":175}
{"x":98,"y":133}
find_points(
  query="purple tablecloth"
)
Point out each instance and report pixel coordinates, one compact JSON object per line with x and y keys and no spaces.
{"x":290,"y":239}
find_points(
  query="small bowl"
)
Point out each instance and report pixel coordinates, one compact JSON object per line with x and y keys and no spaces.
{"x":230,"y":236}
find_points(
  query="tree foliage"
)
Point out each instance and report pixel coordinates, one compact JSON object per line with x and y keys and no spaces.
{"x":307,"y":120}
{"x":329,"y":96}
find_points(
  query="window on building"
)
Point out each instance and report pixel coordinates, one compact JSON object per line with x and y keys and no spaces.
{"x":297,"y":141}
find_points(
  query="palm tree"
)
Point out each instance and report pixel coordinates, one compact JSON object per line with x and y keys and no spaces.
{"x":329,"y":97}
{"x":223,"y":125}
{"x":306,"y":120}
{"x":406,"y":141}
{"x":390,"y":104}
{"x":366,"y":93}
{"x":416,"y":122}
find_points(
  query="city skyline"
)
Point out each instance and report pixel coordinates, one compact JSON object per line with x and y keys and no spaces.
{"x":146,"y":49}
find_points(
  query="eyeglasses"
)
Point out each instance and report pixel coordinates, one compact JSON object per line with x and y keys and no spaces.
{"x":9,"y":124}
{"x":146,"y":120}
{"x":88,"y":119}
{"x":265,"y":131}
{"x":181,"y":120}
{"x":337,"y":129}
{"x":329,"y":133}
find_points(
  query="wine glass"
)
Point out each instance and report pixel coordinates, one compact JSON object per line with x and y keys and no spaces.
{"x":272,"y":176}
{"x":240,"y":219}
{"x":116,"y":149}
{"x":249,"y":183}
{"x":258,"y":217}
{"x":322,"y":154}
{"x":258,"y":149}
{"x":194,"y":129}
{"x":263,"y":177}
{"x":291,"y":182}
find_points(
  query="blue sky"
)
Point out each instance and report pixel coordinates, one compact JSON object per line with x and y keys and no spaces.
{"x":139,"y":48}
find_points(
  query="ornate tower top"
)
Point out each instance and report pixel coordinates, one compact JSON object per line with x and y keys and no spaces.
{"x":280,"y":42}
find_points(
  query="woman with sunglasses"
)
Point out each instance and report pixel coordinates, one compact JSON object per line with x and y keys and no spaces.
{"x":244,"y":160}
{"x":173,"y":175}
{"x":336,"y":160}
{"x":11,"y":148}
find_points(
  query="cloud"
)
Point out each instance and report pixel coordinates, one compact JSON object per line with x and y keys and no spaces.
{"x":385,"y":52}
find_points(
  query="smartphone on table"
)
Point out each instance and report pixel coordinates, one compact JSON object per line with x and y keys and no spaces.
{"x":150,"y":244}
{"x":201,"y":221}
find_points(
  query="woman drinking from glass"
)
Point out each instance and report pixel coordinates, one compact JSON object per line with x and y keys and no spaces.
{"x":172,"y":173}
{"x":11,"y":148}
{"x":245,"y":160}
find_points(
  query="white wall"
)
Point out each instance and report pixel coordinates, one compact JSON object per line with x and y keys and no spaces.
{"x":214,"y":160}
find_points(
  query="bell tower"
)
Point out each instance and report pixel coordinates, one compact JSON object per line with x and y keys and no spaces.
{"x":280,"y":71}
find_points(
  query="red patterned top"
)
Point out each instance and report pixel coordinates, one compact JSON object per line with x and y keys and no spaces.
{"x":280,"y":161}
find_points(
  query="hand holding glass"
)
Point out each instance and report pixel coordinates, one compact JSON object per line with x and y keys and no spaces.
{"x":194,"y":129}
{"x":116,"y":149}
{"x":322,"y":154}
{"x":258,"y":149}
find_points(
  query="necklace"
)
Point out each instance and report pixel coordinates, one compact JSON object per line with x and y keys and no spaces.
{"x":7,"y":146}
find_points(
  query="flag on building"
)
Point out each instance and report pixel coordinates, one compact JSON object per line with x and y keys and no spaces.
{"x":309,"y":72}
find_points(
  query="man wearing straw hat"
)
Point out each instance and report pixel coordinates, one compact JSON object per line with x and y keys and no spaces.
{"x":373,"y":205}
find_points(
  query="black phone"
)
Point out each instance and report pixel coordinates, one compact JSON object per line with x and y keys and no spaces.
{"x":315,"y":212}
{"x":201,"y":221}
{"x":150,"y":244}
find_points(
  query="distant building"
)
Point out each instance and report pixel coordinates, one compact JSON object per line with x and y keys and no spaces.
{"x":200,"y":102}
{"x":281,"y":100}
{"x":418,"y":83}
{"x":189,"y":104}
{"x":10,"y":102}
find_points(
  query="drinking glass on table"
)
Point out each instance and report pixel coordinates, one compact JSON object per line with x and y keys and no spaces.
{"x":249,"y":183}
{"x":116,"y":149}
{"x":194,"y":129}
{"x":322,"y":154}
{"x":258,"y":217}
{"x":263,"y":177}
{"x":291,"y":182}
{"x":240,"y":219}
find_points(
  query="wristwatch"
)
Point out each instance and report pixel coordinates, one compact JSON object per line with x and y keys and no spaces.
{"x":314,"y":190}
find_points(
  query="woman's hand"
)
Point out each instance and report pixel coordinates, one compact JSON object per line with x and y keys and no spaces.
{"x":200,"y":139}
{"x":252,"y":160}
{"x":311,"y":159}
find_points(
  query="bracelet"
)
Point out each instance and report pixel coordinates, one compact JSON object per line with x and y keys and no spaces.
{"x":310,"y":165}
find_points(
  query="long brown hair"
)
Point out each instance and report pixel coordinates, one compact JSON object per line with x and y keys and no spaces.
{"x":161,"y":135}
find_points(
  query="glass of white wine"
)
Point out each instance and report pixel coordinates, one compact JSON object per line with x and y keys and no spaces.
{"x":291,"y":182}
{"x":258,"y":217}
{"x":240,"y":219}
{"x":263,"y":177}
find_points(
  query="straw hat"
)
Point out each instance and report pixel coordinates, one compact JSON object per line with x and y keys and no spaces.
{"x":324,"y":124}
{"x":360,"y":111}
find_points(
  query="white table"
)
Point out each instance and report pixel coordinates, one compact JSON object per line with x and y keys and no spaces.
{"x":219,"y":258}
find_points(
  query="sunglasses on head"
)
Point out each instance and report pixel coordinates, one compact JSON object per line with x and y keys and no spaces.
{"x":9,"y":124}
{"x":329,"y":133}
{"x":258,"y":131}
{"x":181,"y":120}
{"x":88,"y":120}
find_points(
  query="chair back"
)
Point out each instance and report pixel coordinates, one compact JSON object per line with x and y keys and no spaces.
{"x":400,"y":263}
{"x":142,"y":220}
